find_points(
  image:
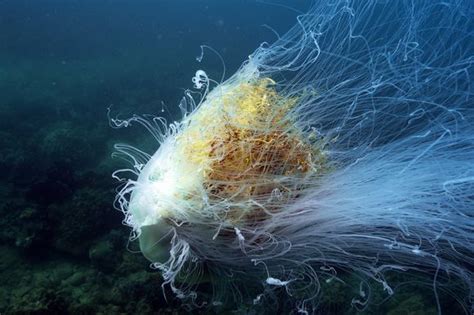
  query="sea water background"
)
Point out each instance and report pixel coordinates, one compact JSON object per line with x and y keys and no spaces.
{"x":63,"y":248}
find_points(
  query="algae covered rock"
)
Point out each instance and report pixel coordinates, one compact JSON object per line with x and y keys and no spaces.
{"x":69,"y":142}
{"x":104,"y":255}
{"x":80,"y":220}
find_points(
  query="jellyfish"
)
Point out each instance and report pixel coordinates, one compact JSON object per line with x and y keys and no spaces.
{"x":341,"y":153}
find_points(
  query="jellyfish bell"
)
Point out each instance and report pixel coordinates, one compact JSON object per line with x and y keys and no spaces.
{"x":344,"y":147}
{"x":223,"y":165}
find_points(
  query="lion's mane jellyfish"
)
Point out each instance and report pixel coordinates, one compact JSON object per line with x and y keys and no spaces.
{"x":341,"y":153}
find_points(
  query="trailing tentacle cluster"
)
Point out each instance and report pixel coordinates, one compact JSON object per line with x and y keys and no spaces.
{"x":338,"y":156}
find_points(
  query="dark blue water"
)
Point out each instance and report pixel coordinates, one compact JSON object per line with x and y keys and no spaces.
{"x":63,"y":64}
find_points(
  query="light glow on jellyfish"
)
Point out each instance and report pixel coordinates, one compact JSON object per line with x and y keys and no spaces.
{"x":347,"y":146}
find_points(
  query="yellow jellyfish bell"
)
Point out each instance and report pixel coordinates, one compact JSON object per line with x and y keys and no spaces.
{"x":235,"y":150}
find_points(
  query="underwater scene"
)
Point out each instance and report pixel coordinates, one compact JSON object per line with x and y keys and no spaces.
{"x":237,"y":157}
